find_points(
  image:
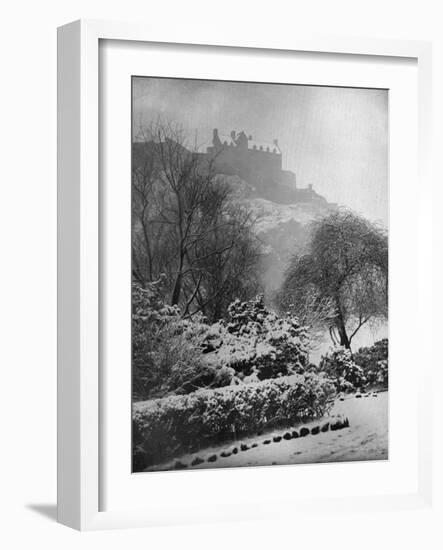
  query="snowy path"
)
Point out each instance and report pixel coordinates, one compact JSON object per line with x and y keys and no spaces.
{"x":365,"y":439}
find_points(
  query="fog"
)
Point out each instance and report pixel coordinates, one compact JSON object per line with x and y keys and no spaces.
{"x":335,"y":139}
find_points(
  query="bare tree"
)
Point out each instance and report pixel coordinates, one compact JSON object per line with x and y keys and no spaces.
{"x":184,"y":222}
{"x":344,"y":267}
{"x":313,"y":310}
{"x":233,"y":273}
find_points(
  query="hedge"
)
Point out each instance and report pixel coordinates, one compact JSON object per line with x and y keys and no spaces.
{"x":164,"y":428}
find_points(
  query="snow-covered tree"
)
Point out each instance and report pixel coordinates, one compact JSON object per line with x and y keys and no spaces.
{"x":345,"y":265}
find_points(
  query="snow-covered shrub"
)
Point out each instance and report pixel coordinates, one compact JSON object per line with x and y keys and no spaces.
{"x":151,"y":319}
{"x":340,"y":367}
{"x":166,"y":351}
{"x":247,"y":317}
{"x":379,"y":375}
{"x":374,"y":362}
{"x":172,"y":355}
{"x":256,"y":343}
{"x":166,"y":427}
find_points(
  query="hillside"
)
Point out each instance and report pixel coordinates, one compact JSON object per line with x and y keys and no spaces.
{"x":282,"y":228}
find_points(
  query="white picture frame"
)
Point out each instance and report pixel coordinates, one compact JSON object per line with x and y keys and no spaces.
{"x":79,"y":294}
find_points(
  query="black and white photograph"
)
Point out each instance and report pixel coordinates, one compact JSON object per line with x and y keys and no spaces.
{"x":222,"y":272}
{"x":259,"y":274}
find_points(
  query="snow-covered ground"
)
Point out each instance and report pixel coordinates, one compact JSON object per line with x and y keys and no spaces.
{"x":365,"y":439}
{"x":271,"y":214}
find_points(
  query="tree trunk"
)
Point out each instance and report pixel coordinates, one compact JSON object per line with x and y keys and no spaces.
{"x":177,"y":290}
{"x":179,"y":279}
{"x":344,"y":339}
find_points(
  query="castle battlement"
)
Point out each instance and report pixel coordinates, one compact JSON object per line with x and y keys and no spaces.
{"x":239,"y":154}
{"x":260,"y":164}
{"x":242,"y":142}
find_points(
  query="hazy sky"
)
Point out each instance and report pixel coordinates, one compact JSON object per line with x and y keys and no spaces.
{"x":333,"y":138}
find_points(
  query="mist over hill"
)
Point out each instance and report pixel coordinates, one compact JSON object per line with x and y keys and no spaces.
{"x":281,"y":228}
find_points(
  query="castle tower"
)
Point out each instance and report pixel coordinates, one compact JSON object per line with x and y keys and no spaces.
{"x":216,"y":139}
{"x":242,"y":141}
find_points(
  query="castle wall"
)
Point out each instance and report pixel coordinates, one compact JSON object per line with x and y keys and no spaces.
{"x":260,"y":168}
{"x":248,"y":164}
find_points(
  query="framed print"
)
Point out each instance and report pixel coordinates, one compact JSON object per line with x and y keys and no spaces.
{"x":235,"y":249}
{"x":253,"y":287}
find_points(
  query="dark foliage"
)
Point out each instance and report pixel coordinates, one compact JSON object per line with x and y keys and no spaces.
{"x":339,"y":366}
{"x":374,"y":362}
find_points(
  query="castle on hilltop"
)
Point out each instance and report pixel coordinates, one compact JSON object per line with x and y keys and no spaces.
{"x":259,"y":164}
{"x":240,"y":155}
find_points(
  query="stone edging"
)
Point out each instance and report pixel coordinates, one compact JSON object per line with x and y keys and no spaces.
{"x":332,"y":424}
